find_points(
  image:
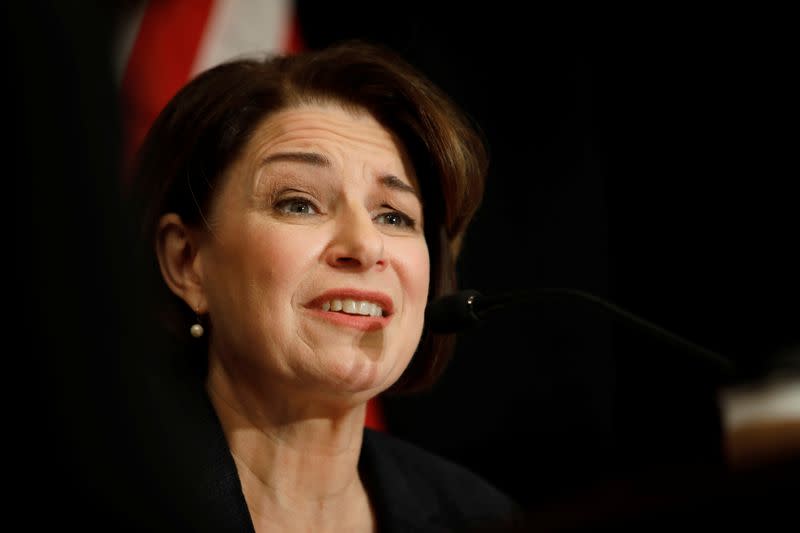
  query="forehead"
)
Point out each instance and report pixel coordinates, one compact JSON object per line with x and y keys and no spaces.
{"x":337,"y":131}
{"x":322,"y":139}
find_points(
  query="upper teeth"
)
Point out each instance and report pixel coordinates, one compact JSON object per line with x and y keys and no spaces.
{"x":354,"y":307}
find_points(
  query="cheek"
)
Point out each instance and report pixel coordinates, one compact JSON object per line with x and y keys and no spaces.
{"x":286,"y":258}
{"x":413,"y":266}
{"x":262,"y":263}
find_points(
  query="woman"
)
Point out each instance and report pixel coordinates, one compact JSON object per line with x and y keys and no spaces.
{"x":297,"y":215}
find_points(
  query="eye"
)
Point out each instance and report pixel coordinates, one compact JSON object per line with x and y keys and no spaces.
{"x":296,"y":206}
{"x":396,"y":218}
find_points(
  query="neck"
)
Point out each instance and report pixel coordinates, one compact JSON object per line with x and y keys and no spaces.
{"x":297,"y":462}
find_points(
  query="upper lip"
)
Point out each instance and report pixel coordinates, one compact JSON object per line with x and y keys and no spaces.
{"x":355,"y":294}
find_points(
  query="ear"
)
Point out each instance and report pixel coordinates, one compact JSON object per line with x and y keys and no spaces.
{"x":177,"y":250}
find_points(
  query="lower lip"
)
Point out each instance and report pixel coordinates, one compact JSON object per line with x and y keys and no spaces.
{"x":359,"y":322}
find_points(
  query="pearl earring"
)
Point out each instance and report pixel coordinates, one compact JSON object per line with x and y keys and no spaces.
{"x":197,"y":329}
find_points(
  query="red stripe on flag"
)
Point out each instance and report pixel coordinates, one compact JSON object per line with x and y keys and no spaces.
{"x":294,"y":40}
{"x":160,"y":63}
{"x":375,"y":419}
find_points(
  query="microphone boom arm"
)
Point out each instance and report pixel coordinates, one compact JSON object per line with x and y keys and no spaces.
{"x":483,"y":306}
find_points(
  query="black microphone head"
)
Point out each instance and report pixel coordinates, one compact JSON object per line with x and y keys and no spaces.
{"x":453,"y":312}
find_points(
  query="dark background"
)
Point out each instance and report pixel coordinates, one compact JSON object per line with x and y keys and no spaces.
{"x":65,"y":454}
{"x":645,"y":156}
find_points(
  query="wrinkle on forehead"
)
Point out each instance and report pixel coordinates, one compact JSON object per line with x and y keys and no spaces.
{"x":306,"y":122}
{"x":318,"y":128}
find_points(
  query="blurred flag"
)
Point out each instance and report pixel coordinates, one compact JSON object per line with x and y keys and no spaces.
{"x":164,"y":43}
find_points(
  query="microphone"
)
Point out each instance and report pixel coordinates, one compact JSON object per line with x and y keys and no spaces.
{"x":467,"y":308}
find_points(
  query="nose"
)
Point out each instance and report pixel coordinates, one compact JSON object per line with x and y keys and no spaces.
{"x":357,"y":243}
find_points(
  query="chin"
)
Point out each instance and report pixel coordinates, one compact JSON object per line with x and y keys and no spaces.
{"x":364,"y":378}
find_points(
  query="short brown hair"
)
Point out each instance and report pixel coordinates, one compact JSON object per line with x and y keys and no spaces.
{"x":206,"y":124}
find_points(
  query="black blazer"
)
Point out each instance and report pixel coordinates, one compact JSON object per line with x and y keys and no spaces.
{"x":197,"y":487}
{"x":413,"y":490}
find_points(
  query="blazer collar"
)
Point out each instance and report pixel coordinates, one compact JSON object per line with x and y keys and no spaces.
{"x":399,"y":507}
{"x":216,"y":493}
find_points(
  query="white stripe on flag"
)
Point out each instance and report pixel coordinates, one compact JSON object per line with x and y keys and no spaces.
{"x":242,"y":27}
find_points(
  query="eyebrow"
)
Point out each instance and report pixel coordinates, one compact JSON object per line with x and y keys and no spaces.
{"x":312,"y":158}
{"x":309,"y":158}
{"x":393,"y":182}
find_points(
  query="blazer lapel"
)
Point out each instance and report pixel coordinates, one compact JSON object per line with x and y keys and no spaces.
{"x":399,"y":506}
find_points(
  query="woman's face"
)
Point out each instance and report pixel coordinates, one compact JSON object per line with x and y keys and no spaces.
{"x":315,"y":269}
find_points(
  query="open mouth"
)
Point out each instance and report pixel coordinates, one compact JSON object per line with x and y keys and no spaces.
{"x":353,"y":307}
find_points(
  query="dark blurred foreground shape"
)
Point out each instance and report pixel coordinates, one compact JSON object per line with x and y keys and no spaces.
{"x":60,"y":162}
{"x":74,"y":406}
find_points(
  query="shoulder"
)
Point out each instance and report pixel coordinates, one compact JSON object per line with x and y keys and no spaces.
{"x":409,"y":479}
